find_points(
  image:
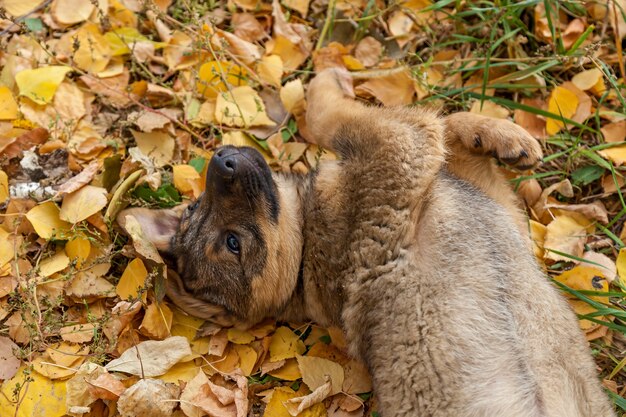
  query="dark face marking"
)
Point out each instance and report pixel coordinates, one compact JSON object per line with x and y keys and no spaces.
{"x":240,"y":197}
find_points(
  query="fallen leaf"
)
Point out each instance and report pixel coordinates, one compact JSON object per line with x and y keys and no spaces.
{"x":189,"y":394}
{"x":297,"y":405}
{"x":105,"y":387}
{"x":40,"y":84}
{"x":562,"y":103}
{"x":20,"y":7}
{"x":241,"y":107}
{"x":276,"y":407}
{"x":489,"y":109}
{"x":151,"y":358}
{"x":79,"y":205}
{"x":215,"y":76}
{"x":292,"y":96}
{"x":565,"y":235}
{"x":614,"y":132}
{"x":148,"y":398}
{"x":270,"y":69}
{"x":56,"y":263}
{"x":158,"y":146}
{"x":592,"y":80}
{"x":141,"y":243}
{"x":301,"y":6}
{"x":133,"y":280}
{"x":77,"y":250}
{"x":285,"y":344}
{"x":39,"y":396}
{"x":81,"y":179}
{"x":8,"y":105}
{"x":46,"y":220}
{"x":368,"y":51}
{"x":287,"y":370}
{"x":391,"y":90}
{"x":533,"y":123}
{"x":9,"y":363}
{"x":79,"y":333}
{"x":187,"y":180}
{"x":69,"y":12}
{"x":157,"y":321}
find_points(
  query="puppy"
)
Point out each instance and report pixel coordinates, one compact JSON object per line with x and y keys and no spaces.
{"x":417,"y":254}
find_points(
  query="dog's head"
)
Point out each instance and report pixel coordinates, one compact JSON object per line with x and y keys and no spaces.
{"x":239,"y":244}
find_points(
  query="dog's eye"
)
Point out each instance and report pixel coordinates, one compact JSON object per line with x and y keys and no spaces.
{"x":191,"y":207}
{"x":233,"y":243}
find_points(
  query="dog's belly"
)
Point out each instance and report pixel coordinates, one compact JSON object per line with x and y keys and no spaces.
{"x":464,"y":323}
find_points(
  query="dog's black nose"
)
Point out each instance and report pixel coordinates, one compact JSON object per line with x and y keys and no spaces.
{"x":226,"y":162}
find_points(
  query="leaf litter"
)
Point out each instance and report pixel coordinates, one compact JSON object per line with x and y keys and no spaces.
{"x":104,"y":106}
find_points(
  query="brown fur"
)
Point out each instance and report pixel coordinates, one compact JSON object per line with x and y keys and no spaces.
{"x":429,"y":277}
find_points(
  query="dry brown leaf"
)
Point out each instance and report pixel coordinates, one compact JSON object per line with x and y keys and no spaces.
{"x":297,"y":405}
{"x":572,"y":32}
{"x":83,"y":178}
{"x":157,"y":322}
{"x":105,"y":387}
{"x":9,"y":363}
{"x":368,"y":51}
{"x":158,"y":146}
{"x":594,"y":211}
{"x":79,"y":333}
{"x":247,"y":27}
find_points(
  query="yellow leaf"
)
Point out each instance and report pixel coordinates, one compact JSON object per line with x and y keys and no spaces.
{"x":70,"y":12}
{"x":187,"y":180}
{"x":20,"y":7}
{"x":315,"y":371}
{"x":4,"y":186}
{"x":38,"y":396}
{"x":276,"y":407}
{"x":80,"y":204}
{"x":93,"y":53}
{"x":214,"y":75}
{"x":240,"y":337}
{"x":40,"y":84}
{"x":44,"y":366}
{"x":564,"y":234}
{"x":46,"y":221}
{"x":157,"y":145}
{"x":292,"y":96}
{"x":538,"y":237}
{"x":185,"y":325}
{"x":8,"y":106}
{"x":6,"y":248}
{"x":78,"y":249}
{"x":157,"y":321}
{"x":238,"y":138}
{"x":132,"y":280}
{"x":120,"y":16}
{"x":182,"y":371}
{"x":247,"y":358}
{"x":270,"y":69}
{"x":352,"y":63}
{"x":563,"y":103}
{"x":56,"y":263}
{"x":67,"y":354}
{"x":585,"y":278}
{"x":285,"y":344}
{"x":301,"y":6}
{"x":288,"y":372}
{"x":292,"y":55}
{"x":617,"y":154}
{"x":621,"y":264}
{"x":241,"y":107}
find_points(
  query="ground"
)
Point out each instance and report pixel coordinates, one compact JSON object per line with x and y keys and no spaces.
{"x":111,"y":103}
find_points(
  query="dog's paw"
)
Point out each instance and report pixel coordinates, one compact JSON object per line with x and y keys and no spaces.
{"x":504,"y":140}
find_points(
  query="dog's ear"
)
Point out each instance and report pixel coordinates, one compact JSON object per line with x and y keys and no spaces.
{"x":159,"y":226}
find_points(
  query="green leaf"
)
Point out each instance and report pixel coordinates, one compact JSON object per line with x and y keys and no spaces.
{"x":197,"y":164}
{"x":165,"y":196}
{"x":587,"y":175}
{"x":34,"y":24}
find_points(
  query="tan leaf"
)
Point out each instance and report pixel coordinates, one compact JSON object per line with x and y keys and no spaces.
{"x":368,"y":51}
{"x":141,"y":243}
{"x":489,"y":109}
{"x":105,"y":387}
{"x":564,"y":234}
{"x":297,"y":405}
{"x":148,"y":398}
{"x":317,"y":372}
{"x":247,"y":27}
{"x":158,"y":146}
{"x":69,"y":12}
{"x":270,"y":69}
{"x":81,"y":179}
{"x":79,"y":205}
{"x":391,"y":90}
{"x":292,"y":96}
{"x":151,"y":358}
{"x":78,"y":333}
{"x":241,"y":107}
{"x":614,"y":132}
